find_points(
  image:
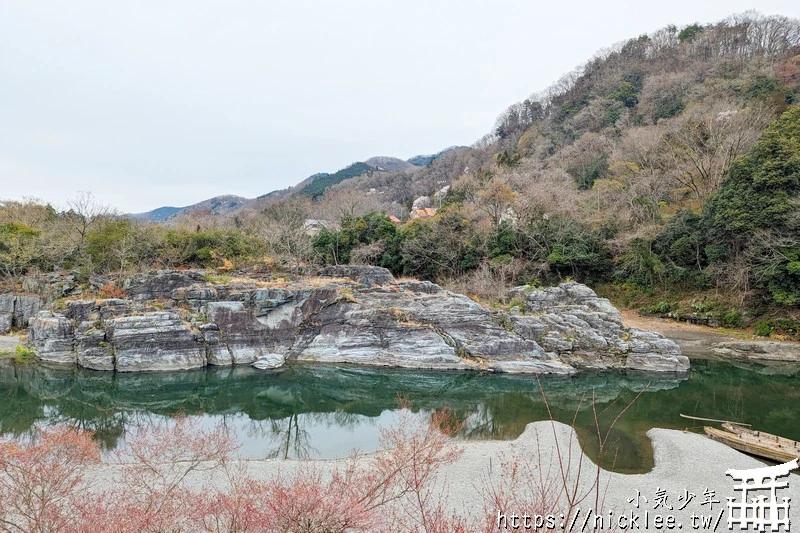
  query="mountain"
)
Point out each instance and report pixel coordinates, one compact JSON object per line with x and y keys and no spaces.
{"x":425,"y":160}
{"x":390,"y":164}
{"x":313,"y":186}
{"x":157,"y":215}
{"x":219,"y":205}
{"x":316,"y":187}
{"x":663,"y":171}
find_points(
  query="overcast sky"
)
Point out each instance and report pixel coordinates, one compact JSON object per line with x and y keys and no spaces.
{"x":159,"y":102}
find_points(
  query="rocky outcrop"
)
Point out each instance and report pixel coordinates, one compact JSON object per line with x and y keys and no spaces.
{"x":349,"y":314}
{"x":16,"y":310}
{"x":758,"y":350}
{"x":52,"y":337}
{"x":154,"y":341}
{"x":269,"y":361}
{"x":587,"y":331}
{"x":161,"y":283}
{"x":365,"y":275}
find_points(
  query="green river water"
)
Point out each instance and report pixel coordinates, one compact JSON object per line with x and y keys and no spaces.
{"x":323,"y":411}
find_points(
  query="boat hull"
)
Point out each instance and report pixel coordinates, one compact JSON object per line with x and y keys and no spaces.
{"x":757,"y":443}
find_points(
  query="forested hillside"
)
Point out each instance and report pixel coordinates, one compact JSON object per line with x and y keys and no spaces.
{"x":665,"y":171}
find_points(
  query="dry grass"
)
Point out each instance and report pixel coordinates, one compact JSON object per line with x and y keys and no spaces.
{"x":314,"y":282}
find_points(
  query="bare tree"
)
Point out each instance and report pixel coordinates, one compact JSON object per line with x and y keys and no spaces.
{"x":339,"y":203}
{"x":702,"y":145}
{"x":283,"y":227}
{"x":496,"y":199}
{"x":85,"y":211}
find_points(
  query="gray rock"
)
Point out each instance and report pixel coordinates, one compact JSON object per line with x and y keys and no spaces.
{"x":161,"y":283}
{"x":51,"y":337}
{"x":8,"y":344}
{"x":26,"y":307}
{"x":421,"y":203}
{"x":532,"y":367}
{"x":92,"y":348}
{"x":368,"y":276}
{"x":81,"y":310}
{"x":114,"y":307}
{"x":370,"y":320}
{"x":242,"y":336}
{"x":425,"y":287}
{"x":657,"y":362}
{"x":758,"y":350}
{"x":96,"y":283}
{"x":358,"y":342}
{"x":217,"y":353}
{"x":154,"y":341}
{"x":31,"y":284}
{"x":21,"y":307}
{"x":434,"y":329}
{"x":587,"y":330}
{"x":269,"y":361}
{"x":195,"y":295}
{"x":6,"y":320}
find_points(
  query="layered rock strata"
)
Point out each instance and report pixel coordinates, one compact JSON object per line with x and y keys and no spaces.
{"x":178,"y":320}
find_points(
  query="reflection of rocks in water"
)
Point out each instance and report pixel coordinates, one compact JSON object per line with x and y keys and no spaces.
{"x":300,"y":389}
{"x":46,"y":383}
{"x":603,"y":387}
{"x":767,"y":368}
{"x":279,"y":396}
{"x":293,"y":408}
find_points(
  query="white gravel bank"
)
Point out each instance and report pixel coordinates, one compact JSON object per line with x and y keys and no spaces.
{"x":683,"y":462}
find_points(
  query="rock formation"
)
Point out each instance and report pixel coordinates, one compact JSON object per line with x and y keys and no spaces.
{"x":177,"y":320}
{"x":16,"y":310}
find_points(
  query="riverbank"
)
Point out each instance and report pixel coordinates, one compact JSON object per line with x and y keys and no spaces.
{"x":685,"y":463}
{"x":8,"y":345}
{"x":698,"y":341}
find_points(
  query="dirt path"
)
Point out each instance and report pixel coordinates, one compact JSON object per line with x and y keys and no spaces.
{"x":702,"y":341}
{"x":681,"y":330}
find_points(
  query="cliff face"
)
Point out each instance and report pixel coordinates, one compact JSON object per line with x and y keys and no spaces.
{"x":176,"y":320}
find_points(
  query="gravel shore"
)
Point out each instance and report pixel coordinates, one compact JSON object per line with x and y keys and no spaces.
{"x":685,"y":464}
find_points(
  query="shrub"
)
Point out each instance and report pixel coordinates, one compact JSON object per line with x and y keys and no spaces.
{"x":41,"y":482}
{"x":24,"y":354}
{"x":110,"y":290}
{"x":42,"y":485}
{"x":661,"y":307}
{"x":733,"y":319}
{"x":763,"y":328}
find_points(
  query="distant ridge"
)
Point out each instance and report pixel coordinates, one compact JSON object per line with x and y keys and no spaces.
{"x":218,"y":205}
{"x":157,"y":215}
{"x":389,"y":164}
{"x":425,"y":160}
{"x":313,"y":186}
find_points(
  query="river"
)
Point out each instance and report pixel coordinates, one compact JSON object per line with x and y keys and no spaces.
{"x":323,"y":411}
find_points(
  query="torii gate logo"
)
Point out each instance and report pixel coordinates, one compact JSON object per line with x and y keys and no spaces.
{"x":760,"y":512}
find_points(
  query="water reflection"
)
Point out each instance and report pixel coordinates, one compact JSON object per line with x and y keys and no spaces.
{"x":326,"y":411}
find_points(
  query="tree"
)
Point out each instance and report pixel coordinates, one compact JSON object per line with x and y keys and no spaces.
{"x":444,"y":247}
{"x":85,"y":211}
{"x":702,"y":146}
{"x":371,"y":239}
{"x":587,"y":159}
{"x":761,"y":197}
{"x":283,"y":227}
{"x":19,"y":248}
{"x":496,"y":199}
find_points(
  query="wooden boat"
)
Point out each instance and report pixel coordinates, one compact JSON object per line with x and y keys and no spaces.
{"x":758,"y":443}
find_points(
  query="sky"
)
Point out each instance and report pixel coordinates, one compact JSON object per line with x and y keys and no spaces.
{"x":164,"y":102}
